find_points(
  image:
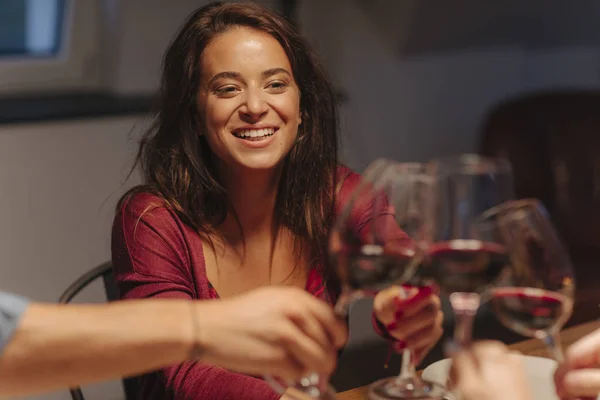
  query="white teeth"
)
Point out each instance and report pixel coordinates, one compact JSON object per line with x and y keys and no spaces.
{"x":254,"y":132}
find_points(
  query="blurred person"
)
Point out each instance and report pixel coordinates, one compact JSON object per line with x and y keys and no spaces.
{"x":50,"y":346}
{"x":579,"y":375}
{"x":490,"y":371}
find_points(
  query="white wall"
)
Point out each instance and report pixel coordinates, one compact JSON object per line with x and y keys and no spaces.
{"x":59,"y":186}
{"x":406,"y":109}
{"x":139,"y":42}
{"x":418,"y":108}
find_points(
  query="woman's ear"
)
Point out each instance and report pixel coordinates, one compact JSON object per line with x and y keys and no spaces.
{"x":301,"y":117}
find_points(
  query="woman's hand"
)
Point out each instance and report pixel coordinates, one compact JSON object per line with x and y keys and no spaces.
{"x":412,"y":316}
{"x":579,"y":375}
{"x":489,"y":371}
{"x":280,"y":331}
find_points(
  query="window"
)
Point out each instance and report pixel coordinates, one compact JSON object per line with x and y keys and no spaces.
{"x":31,"y":28}
{"x":48,"y":45}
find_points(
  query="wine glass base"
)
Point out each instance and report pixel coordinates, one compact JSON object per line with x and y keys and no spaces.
{"x":406,"y":389}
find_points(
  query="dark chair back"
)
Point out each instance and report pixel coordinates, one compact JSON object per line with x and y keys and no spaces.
{"x":551,"y":138}
{"x":104,"y":271}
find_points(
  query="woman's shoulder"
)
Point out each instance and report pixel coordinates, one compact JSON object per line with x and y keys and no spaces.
{"x":347,"y":180}
{"x":140,"y":202}
{"x":139,"y":205}
{"x":145,"y":221}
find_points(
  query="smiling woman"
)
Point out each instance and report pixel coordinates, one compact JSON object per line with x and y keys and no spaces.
{"x":239,"y":170}
{"x":249,"y":100}
{"x":241,"y":174}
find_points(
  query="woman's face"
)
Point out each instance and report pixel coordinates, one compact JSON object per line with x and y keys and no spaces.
{"x":248,"y":99}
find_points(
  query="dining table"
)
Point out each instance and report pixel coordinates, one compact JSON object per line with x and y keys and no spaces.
{"x":531,"y":347}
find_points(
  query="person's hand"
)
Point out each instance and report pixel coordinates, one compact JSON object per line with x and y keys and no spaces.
{"x":489,"y":371}
{"x":280,"y":331}
{"x":579,"y":375}
{"x":412,"y":316}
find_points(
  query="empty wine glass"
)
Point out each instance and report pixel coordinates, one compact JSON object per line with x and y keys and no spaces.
{"x":536,"y":299}
{"x":465,"y":257}
{"x":407,"y":199}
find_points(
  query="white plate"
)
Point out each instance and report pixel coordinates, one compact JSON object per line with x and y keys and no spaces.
{"x":539,"y":374}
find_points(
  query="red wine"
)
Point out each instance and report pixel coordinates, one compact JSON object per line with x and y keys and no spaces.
{"x":466,"y":265}
{"x":371,"y":268}
{"x":529,"y":311}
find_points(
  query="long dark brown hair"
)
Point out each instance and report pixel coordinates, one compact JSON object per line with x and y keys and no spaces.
{"x":177,"y":164}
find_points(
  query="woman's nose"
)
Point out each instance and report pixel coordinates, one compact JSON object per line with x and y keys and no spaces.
{"x":255,"y":105}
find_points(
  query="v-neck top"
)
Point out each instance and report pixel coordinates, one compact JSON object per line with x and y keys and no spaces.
{"x":156,"y":255}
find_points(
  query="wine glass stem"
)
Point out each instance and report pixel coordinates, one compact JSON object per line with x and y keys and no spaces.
{"x":465,"y":306}
{"x":314,"y":387}
{"x":342,"y":305}
{"x":552,"y":342}
{"x":407,"y":371}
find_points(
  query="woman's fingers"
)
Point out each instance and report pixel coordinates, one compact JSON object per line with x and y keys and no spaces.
{"x":425,"y":337}
{"x":407,"y":326}
{"x":386,"y":302}
{"x":414,"y":306}
{"x":390,"y":306}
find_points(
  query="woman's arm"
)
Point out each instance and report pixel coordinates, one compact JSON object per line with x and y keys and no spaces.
{"x":151,"y":261}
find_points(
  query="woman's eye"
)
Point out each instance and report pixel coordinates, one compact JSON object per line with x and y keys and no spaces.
{"x":277,"y":86}
{"x":226,"y":90}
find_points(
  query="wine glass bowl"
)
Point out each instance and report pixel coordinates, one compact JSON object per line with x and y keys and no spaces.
{"x":536,"y":299}
{"x":463,"y":255}
{"x":467,"y":265}
{"x":363,"y":258}
{"x":387,"y":238}
{"x":362,"y":265}
{"x":367,"y":247}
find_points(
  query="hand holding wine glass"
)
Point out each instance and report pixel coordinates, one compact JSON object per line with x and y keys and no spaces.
{"x":412,"y":316}
{"x":296,"y":332}
{"x":363,"y":264}
{"x":379,"y":226}
{"x":369,"y":250}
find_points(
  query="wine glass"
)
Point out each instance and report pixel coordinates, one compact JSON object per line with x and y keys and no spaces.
{"x":362,"y":264}
{"x":536,"y":300}
{"x":407,"y":197}
{"x":368,"y":249}
{"x":463,"y":256}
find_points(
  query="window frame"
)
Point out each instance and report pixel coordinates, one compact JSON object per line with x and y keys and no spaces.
{"x":75,"y":67}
